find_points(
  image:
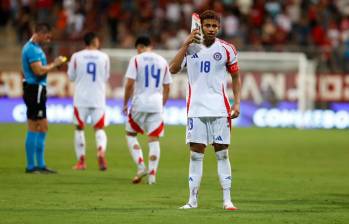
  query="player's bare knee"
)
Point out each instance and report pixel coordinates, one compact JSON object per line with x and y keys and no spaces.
{"x":41,"y":126}
{"x":153,"y":138}
{"x":99,"y":129}
{"x":79,"y":128}
{"x":153,"y":158}
{"x":133,"y":134}
{"x":196,"y":147}
{"x":220,"y":147}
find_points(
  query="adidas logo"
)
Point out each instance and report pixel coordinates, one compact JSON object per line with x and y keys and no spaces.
{"x":195,"y":56}
{"x":219,"y":138}
{"x":191,"y":179}
{"x":228,"y":178}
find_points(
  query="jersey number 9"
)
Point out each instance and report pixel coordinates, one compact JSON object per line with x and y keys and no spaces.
{"x":91,"y":70}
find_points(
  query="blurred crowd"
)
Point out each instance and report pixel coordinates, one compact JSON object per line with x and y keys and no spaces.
{"x":318,"y":27}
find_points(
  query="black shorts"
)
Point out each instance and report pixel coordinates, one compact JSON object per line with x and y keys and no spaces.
{"x":34,"y":97}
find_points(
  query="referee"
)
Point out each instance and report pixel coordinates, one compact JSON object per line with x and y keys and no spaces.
{"x":35,"y":69}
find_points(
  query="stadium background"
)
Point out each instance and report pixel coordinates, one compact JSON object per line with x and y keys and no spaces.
{"x":319,"y":29}
{"x":280,"y":175}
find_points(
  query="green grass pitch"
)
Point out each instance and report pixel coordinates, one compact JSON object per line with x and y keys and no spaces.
{"x":279,"y":176}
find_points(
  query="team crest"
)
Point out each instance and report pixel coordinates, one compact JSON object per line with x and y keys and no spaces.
{"x":217,"y":56}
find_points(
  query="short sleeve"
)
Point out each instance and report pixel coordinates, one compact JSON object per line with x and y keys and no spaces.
{"x":184,"y":62}
{"x":72,"y":68}
{"x":107,"y":68}
{"x":167,"y":76}
{"x":132,"y":68}
{"x":33,"y":54}
{"x":232,"y":59}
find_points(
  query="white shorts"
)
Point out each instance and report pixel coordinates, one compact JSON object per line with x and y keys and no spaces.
{"x":97,"y":115}
{"x":140,"y":122}
{"x":208,"y":130}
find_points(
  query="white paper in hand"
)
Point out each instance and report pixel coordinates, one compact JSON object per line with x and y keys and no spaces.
{"x":195,"y":24}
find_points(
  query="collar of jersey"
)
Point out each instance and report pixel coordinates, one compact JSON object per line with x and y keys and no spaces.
{"x":204,"y":46}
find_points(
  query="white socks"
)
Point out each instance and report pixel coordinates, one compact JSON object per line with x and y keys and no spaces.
{"x":154,"y":156}
{"x":80,"y":143}
{"x":101,"y":140}
{"x":224,"y":173}
{"x":136,"y":152}
{"x":195,"y":174}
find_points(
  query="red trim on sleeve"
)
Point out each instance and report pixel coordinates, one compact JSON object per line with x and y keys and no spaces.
{"x":227,"y":53}
{"x":230,"y":45}
{"x":157,"y":132}
{"x":100,"y":123}
{"x":77,"y":116}
{"x":189,"y":98}
{"x":134,"y":125}
{"x":233,"y":67}
{"x":227,"y":106}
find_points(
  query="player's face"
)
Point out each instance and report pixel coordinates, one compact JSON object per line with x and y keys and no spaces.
{"x":210,"y":28}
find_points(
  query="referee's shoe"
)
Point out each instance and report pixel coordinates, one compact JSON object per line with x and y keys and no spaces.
{"x":42,"y":170}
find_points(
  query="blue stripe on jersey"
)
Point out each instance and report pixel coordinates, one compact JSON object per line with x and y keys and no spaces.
{"x":32,"y":52}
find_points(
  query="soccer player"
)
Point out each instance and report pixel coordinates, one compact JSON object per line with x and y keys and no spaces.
{"x":35,"y":70}
{"x":89,"y":69}
{"x":148,"y":83}
{"x":208,"y":108}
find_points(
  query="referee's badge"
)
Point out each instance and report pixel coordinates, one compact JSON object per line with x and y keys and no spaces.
{"x":217,"y":56}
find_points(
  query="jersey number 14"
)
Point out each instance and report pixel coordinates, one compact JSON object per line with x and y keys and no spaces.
{"x":154,"y":73}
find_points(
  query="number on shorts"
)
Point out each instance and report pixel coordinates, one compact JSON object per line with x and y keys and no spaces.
{"x":190,"y":123}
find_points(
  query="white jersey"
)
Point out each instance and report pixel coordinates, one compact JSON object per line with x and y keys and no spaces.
{"x":207,"y":72}
{"x":89,"y":69}
{"x":150,"y":72}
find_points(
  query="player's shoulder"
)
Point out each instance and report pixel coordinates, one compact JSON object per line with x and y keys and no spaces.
{"x":102,"y":53}
{"x":226,"y":45}
{"x":78,"y":53}
{"x":133,"y":58}
{"x":159,"y":57}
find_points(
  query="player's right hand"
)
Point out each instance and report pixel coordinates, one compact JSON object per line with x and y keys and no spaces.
{"x":194,"y":37}
{"x":60,"y":60}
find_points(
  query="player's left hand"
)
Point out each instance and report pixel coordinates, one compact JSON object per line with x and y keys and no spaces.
{"x":235,"y":111}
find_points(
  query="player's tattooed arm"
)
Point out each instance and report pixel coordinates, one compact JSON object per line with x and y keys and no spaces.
{"x":128,"y":94}
{"x":235,"y":110}
{"x":175,"y":65}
